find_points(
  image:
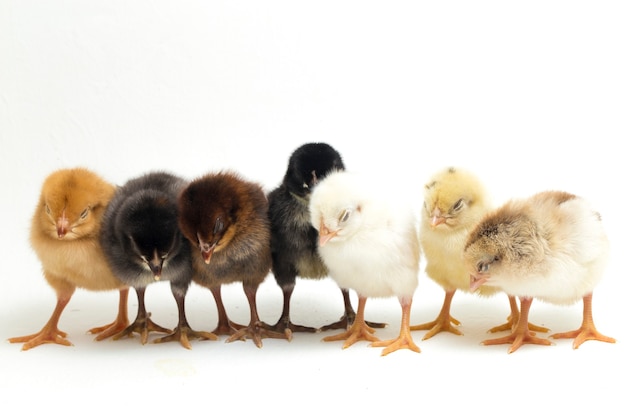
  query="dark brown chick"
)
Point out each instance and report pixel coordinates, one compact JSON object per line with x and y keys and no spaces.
{"x":64,"y":234}
{"x":225,"y":219}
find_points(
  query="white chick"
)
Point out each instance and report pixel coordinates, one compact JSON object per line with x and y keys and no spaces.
{"x":551,"y":246}
{"x":454,"y":202}
{"x":370,"y":245}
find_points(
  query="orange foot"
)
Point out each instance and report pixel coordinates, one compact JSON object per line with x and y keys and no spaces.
{"x":110,"y":329}
{"x":357,"y":332}
{"x":403,"y":341}
{"x":510,"y":324}
{"x":185,"y":333}
{"x":49,"y":334}
{"x":120,"y":323}
{"x":587,"y":330}
{"x":582,"y":335}
{"x":443,"y":323}
{"x":518,"y":339}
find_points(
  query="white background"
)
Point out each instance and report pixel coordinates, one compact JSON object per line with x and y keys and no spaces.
{"x":530,"y":96}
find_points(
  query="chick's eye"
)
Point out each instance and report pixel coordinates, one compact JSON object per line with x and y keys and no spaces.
{"x":458,"y":205}
{"x":219,"y":226}
{"x":84,"y":214}
{"x":345,"y":215}
{"x":482,"y":267}
{"x":47,"y":208}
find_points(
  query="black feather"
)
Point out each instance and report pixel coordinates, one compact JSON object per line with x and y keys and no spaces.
{"x":293,"y":238}
{"x":142,"y":241}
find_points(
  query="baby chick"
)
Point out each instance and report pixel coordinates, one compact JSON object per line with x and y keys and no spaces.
{"x":143,"y":244}
{"x":64,"y":234}
{"x":369,"y":242}
{"x":293,"y":239}
{"x":225,"y":219}
{"x":454,"y":201}
{"x":551,"y":246}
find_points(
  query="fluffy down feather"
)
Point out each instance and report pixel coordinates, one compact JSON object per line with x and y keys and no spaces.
{"x":225,"y":219}
{"x":143,"y":244}
{"x":64,"y":234}
{"x":369,"y":244}
{"x":551,"y":246}
{"x":293,"y":239}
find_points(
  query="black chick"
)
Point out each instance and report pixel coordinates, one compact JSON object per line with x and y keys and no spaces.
{"x":143,"y":244}
{"x":225,"y":218}
{"x":294,"y":240}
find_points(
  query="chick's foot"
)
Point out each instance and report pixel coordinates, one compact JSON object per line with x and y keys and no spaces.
{"x":403,"y":341}
{"x":184,"y":334}
{"x":121,"y":321}
{"x":287,"y":327}
{"x":49,"y":334}
{"x":142,"y":326}
{"x":512,"y":320}
{"x":257,"y":331}
{"x":443,"y":323}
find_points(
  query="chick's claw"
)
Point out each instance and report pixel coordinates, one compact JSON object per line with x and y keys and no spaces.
{"x":142,"y":326}
{"x":359,"y":331}
{"x":443,"y":323}
{"x":257,"y":332}
{"x":184,"y":334}
{"x":46,"y":335}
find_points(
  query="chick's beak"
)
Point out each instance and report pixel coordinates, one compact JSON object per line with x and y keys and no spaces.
{"x":476,"y":281}
{"x":156,"y":266}
{"x":63,"y":225}
{"x":326,"y":234}
{"x":206,"y":249}
{"x":436,"y":218}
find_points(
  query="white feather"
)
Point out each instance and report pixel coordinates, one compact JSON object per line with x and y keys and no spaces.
{"x":376,"y":250}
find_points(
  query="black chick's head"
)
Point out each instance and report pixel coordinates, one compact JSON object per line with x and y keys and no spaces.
{"x":208,"y":208}
{"x":308,"y":165}
{"x":149,"y":223}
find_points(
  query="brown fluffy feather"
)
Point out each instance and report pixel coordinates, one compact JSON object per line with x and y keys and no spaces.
{"x":64,"y":235}
{"x":225,"y":219}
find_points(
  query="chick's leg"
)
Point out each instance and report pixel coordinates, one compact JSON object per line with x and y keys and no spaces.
{"x":359,"y":330}
{"x":256,"y":330}
{"x":404,"y":339}
{"x":514,"y":318}
{"x":587,"y":330}
{"x":520,"y":335}
{"x":284,"y":323}
{"x":142,"y":324}
{"x":224,"y":325}
{"x":121,"y":321}
{"x":444,"y":321}
{"x":348,"y":317}
{"x":183,"y":332}
{"x":50,"y":332}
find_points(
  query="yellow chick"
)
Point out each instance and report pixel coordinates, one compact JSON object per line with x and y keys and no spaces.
{"x":64,"y":234}
{"x":454,"y":202}
{"x":551,"y":246}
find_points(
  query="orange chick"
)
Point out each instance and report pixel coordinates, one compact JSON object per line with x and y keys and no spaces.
{"x":64,"y":235}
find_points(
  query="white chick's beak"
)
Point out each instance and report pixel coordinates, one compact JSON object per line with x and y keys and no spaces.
{"x":477,"y":281}
{"x":326,"y":234}
{"x":436,"y":218}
